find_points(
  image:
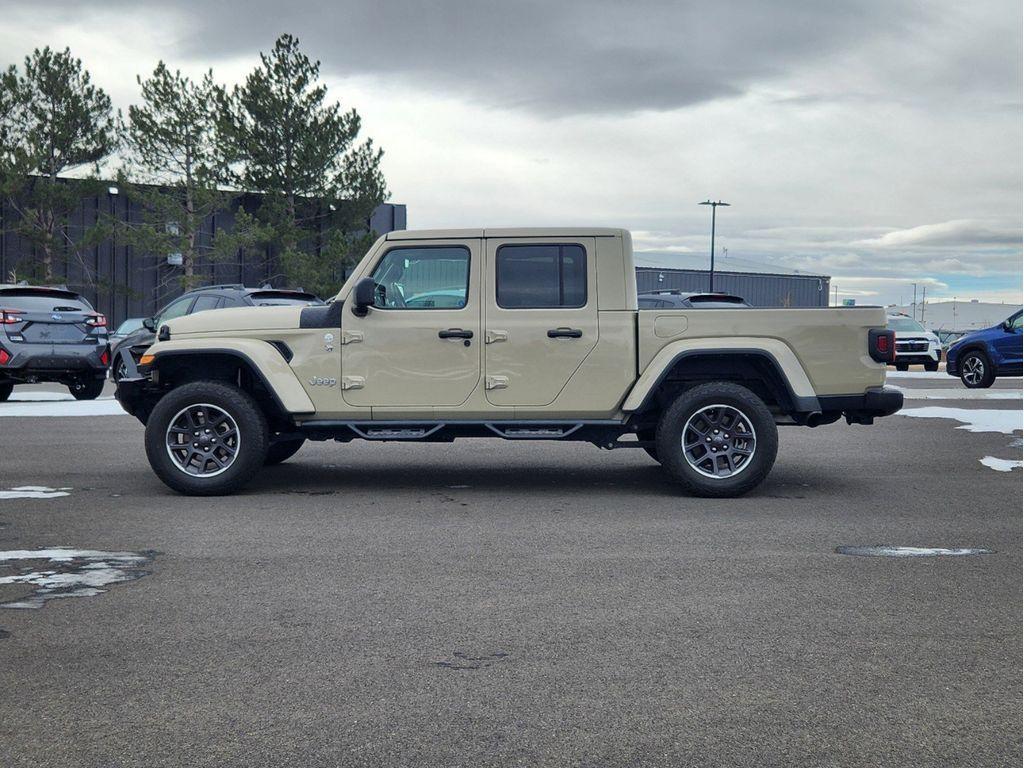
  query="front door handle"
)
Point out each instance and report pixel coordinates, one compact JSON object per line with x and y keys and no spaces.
{"x":455,"y":333}
{"x":565,"y":333}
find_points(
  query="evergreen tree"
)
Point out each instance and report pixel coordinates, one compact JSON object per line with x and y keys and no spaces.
{"x":53,"y":122}
{"x":174,"y":165}
{"x":300,"y":151}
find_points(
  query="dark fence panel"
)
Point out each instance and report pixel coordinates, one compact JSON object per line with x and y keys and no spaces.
{"x":121,"y":282}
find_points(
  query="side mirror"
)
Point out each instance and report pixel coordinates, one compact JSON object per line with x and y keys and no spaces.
{"x":149,"y":325}
{"x":363,"y":296}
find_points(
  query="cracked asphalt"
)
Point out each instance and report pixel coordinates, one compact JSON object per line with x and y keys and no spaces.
{"x":489,"y":603}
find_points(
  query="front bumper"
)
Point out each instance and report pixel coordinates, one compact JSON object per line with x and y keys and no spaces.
{"x":131,"y":394}
{"x":864,"y":409}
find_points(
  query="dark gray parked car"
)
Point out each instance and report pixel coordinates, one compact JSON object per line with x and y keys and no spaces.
{"x":127,"y":350}
{"x":51,"y":334}
{"x":675,"y":299}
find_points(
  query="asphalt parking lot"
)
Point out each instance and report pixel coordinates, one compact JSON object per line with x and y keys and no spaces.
{"x":493,"y":603}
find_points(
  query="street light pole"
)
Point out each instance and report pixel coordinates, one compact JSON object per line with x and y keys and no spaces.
{"x":711,"y":274}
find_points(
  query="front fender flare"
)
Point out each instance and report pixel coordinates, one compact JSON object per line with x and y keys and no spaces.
{"x":262,"y":358}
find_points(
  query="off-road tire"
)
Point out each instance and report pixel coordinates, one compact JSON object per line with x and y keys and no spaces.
{"x":669,"y":441}
{"x":86,"y":389}
{"x":239,"y":406}
{"x":989,"y":370}
{"x":5,"y":391}
{"x":283,"y":450}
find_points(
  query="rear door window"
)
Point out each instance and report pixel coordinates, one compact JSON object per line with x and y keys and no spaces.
{"x":204,"y":303}
{"x":541,"y":276}
{"x":176,"y":309}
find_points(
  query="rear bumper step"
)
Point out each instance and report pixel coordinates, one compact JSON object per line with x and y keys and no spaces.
{"x":865,"y":408}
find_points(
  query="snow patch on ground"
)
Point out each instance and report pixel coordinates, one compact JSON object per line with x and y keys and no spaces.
{"x":933,"y":375}
{"x":974,"y":420}
{"x":38,"y":397}
{"x":64,"y":572}
{"x":103,"y":406}
{"x":897,"y":551}
{"x":1002,"y":465}
{"x":33,"y":492}
{"x":960,"y":394}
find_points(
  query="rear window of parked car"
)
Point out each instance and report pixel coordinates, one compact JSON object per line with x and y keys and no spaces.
{"x":43,"y":301}
{"x":541,"y":276}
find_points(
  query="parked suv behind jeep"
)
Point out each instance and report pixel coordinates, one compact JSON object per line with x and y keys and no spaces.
{"x":979,"y":357}
{"x":51,"y":334}
{"x":127,"y":351}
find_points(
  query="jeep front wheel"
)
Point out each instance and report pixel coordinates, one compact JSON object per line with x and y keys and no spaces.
{"x":206,"y":438}
{"x":717,"y":440}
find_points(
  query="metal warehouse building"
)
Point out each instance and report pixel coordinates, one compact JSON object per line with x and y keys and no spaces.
{"x":761,"y":289}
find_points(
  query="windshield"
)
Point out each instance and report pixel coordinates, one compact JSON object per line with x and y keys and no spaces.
{"x":903,"y":324}
{"x":130,"y":325}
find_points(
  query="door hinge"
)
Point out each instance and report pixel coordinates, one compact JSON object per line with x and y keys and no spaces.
{"x":492,"y":336}
{"x":496,"y":382}
{"x":352,"y":382}
{"x":351,"y":337}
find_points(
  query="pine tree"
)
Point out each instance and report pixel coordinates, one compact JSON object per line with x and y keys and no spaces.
{"x":175,"y":163}
{"x":53,"y":122}
{"x":300,"y":152}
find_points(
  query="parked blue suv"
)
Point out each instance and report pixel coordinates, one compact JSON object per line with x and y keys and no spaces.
{"x":979,"y":357}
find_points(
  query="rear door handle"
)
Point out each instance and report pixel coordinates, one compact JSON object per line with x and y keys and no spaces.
{"x":455,"y":333}
{"x":565,"y":333}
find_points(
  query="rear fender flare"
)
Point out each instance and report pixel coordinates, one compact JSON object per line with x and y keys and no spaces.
{"x":777,"y":353}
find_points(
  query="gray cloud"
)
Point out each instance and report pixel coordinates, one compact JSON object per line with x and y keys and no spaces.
{"x":565,"y":57}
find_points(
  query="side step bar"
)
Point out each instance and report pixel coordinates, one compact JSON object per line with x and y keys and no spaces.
{"x":343,"y":431}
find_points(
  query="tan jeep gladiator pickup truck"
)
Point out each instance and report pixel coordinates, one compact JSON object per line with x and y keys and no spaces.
{"x":522,"y":334}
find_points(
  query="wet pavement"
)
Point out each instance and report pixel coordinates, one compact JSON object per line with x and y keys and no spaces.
{"x":492,"y":603}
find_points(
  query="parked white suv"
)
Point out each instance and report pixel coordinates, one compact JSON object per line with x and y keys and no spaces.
{"x":915,"y":345}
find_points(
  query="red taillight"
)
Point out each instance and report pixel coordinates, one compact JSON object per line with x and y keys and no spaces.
{"x":882,"y":346}
{"x":4,"y":356}
{"x":105,"y":357}
{"x":96,"y":321}
{"x":10,"y":316}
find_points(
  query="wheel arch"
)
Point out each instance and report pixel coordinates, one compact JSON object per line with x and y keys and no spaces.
{"x":757,"y":368}
{"x":261,"y":371}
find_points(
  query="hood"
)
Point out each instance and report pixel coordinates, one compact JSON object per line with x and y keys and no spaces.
{"x":242,"y":319}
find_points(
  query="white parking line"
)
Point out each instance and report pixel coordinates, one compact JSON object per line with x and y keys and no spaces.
{"x":104,"y":406}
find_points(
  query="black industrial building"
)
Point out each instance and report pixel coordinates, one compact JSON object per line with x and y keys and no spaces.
{"x":761,"y":289}
{"x":121,"y":282}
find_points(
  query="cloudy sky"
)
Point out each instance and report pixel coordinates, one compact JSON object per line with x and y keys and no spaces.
{"x":877,"y":141}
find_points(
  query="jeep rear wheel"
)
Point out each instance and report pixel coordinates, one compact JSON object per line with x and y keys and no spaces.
{"x":717,"y":440}
{"x":206,"y":438}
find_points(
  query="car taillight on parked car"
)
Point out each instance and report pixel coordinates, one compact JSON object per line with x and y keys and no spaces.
{"x":105,"y":356}
{"x":96,"y":321}
{"x":882,"y":346}
{"x":4,"y":356}
{"x":10,"y":316}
